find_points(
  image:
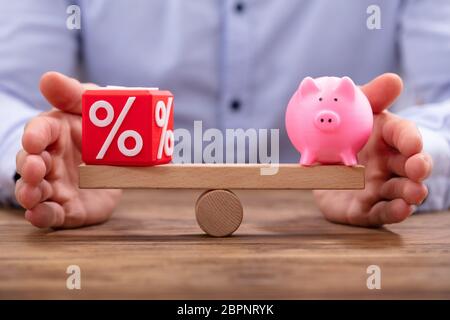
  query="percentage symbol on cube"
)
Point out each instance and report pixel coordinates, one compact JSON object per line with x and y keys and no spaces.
{"x":102,"y":104}
{"x":162,"y":115}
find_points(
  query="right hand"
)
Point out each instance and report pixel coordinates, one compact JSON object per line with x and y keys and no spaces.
{"x":48,"y":163}
{"x":395,"y":163}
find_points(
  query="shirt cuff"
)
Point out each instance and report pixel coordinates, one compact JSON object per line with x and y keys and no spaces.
{"x":439,"y":181}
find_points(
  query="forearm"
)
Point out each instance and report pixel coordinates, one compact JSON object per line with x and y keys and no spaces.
{"x":33,"y":39}
{"x":423,"y":46}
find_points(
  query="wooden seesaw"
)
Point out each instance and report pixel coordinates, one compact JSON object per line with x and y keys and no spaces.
{"x":218,"y":210}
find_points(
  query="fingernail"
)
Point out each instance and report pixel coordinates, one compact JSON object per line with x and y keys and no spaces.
{"x":413,"y":209}
{"x":27,"y":215}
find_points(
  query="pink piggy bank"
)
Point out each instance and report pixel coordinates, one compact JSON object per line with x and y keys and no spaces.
{"x":328,"y":120}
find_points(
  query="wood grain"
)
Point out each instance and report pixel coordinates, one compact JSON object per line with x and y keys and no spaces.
{"x":222,"y":176}
{"x":219,"y":212}
{"x":152,"y":248}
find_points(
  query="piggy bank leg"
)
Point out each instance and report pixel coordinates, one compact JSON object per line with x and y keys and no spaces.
{"x":349,"y":158}
{"x":307,"y":158}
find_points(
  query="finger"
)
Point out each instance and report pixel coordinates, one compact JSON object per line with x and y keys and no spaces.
{"x":46,"y":215}
{"x":382,"y":91}
{"x":402,"y":188}
{"x":402,"y":135}
{"x":396,"y":164}
{"x":387,"y":212}
{"x":29,"y":195}
{"x":33,"y":169}
{"x":22,"y":155}
{"x":62,"y":92}
{"x":39,"y":133}
{"x":20,"y":159}
{"x":419,"y":167}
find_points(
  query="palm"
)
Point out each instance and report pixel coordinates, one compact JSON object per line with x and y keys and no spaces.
{"x":63,"y":176}
{"x":375,"y":156}
{"x":353,"y":207}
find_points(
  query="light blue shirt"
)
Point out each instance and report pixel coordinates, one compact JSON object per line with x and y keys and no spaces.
{"x":215,"y":54}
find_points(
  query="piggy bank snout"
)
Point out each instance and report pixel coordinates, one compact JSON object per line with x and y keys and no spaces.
{"x":327,"y":120}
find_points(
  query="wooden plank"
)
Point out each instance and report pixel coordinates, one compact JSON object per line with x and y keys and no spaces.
{"x":222,"y":176}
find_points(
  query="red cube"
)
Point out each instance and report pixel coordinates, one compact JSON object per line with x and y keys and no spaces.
{"x":127,"y":127}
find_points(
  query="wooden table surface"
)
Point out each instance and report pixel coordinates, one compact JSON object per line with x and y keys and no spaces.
{"x":153,"y":248}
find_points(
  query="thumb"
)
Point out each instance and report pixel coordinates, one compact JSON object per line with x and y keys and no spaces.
{"x":382,"y":91}
{"x":63,"y":92}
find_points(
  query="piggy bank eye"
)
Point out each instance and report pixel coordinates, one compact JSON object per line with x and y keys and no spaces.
{"x":320,"y":99}
{"x":335,"y":99}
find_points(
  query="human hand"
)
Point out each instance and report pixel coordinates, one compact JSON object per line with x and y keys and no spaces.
{"x":395,"y":167}
{"x":48,"y":163}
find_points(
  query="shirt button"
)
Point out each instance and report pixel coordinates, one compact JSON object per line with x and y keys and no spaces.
{"x":239,"y":7}
{"x":235,"y":105}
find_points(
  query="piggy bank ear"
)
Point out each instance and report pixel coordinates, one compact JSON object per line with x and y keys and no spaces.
{"x":346,"y":88}
{"x":308,"y":86}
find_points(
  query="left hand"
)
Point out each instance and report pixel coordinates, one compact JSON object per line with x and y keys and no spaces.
{"x":395,"y":167}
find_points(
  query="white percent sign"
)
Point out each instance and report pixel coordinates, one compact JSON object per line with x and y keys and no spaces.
{"x":102,"y":104}
{"x":162,"y":114}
